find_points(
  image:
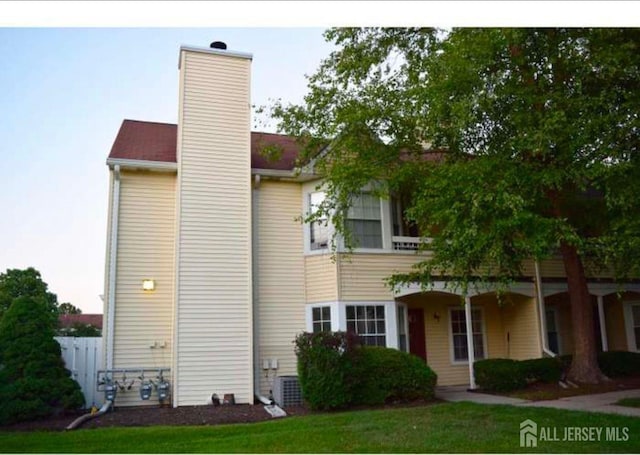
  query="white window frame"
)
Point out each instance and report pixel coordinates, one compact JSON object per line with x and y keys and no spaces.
{"x":402,"y":307}
{"x":450,"y":328}
{"x":334,"y":315}
{"x":556,"y":321}
{"x":632,"y":343}
{"x":385,"y":220}
{"x":307,"y":189}
{"x":339,"y":317}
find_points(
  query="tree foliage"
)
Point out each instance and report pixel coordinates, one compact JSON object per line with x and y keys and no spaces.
{"x":15,"y":283}
{"x":532,"y":139}
{"x":67,"y":308}
{"x":33,"y":380}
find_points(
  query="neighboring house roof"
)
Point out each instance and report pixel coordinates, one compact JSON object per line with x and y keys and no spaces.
{"x":152,"y":141}
{"x":68,"y":320}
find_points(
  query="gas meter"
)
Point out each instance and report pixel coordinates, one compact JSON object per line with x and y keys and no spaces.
{"x":145,"y":390}
{"x":163,"y":390}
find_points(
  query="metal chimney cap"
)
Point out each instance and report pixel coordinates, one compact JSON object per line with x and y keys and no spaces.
{"x":218,"y":45}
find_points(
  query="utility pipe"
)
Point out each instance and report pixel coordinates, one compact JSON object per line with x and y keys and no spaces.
{"x":111,"y":311}
{"x":83,"y":418}
{"x":541,"y":310}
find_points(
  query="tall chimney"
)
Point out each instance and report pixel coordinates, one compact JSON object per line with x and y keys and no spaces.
{"x":213,"y":315}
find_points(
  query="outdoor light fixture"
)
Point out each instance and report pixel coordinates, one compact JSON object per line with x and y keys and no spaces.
{"x":148,"y":285}
{"x":436,"y":316}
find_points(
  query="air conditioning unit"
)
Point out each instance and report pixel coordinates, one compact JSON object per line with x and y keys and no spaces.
{"x":286,"y":391}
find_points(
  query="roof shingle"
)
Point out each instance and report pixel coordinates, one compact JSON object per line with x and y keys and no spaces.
{"x":152,"y":141}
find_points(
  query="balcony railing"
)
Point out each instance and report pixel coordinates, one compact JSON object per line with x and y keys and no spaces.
{"x":401,"y":243}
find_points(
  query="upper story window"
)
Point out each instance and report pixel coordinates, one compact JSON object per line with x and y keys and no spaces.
{"x":364,"y":221}
{"x":318,"y":229}
{"x":401,"y":226}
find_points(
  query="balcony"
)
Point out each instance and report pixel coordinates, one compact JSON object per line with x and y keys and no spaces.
{"x":402,"y":243}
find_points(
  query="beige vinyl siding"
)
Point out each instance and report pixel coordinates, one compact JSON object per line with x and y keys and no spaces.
{"x":145,"y":250}
{"x":436,"y":307}
{"x":214,"y":293}
{"x":522,"y":324}
{"x":321,"y":283}
{"x":280,"y":277}
{"x":362,"y":276}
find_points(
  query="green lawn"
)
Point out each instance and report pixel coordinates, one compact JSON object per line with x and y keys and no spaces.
{"x":631,"y":402}
{"x":447,"y":427}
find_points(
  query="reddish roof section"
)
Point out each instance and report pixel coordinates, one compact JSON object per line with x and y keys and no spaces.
{"x":68,"y":320}
{"x":151,"y":141}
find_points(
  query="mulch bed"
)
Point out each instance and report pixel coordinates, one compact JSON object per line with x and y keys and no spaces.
{"x":540,"y":391}
{"x":143,"y":416}
{"x":154,"y":415}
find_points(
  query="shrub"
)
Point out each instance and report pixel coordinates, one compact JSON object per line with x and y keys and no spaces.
{"x":384,"y":375}
{"x":619,"y":363}
{"x":325,"y":369}
{"x":33,"y":380}
{"x":546,"y":369}
{"x":499,"y":375}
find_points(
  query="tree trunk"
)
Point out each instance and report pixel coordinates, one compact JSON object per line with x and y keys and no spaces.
{"x":584,"y":367}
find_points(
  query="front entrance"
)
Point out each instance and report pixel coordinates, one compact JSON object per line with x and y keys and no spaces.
{"x":417,"y":340}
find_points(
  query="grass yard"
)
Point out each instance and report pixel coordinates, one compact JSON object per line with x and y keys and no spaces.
{"x":447,"y":427}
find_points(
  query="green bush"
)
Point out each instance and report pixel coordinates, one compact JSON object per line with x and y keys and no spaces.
{"x":546,"y":369}
{"x":384,"y":375}
{"x":335,"y":372}
{"x":499,"y":375}
{"x":619,"y":363}
{"x":33,"y":380}
{"x":325,"y":369}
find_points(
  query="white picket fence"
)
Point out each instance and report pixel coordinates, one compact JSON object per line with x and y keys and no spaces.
{"x":83,"y":358}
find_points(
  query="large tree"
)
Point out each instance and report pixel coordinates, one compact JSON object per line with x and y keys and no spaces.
{"x":27,"y":282}
{"x":532,"y":139}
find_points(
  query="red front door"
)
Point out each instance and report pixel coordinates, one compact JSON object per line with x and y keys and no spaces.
{"x":417,"y":340}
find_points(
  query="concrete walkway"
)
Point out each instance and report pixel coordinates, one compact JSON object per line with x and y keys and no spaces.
{"x":601,"y":402}
{"x":460,"y":393}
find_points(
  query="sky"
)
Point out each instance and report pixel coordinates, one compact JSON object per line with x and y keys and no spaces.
{"x":64,"y":92}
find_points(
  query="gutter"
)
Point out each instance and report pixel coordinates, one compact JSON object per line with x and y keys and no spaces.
{"x":115,"y":210}
{"x":541,"y":311}
{"x":167,"y":166}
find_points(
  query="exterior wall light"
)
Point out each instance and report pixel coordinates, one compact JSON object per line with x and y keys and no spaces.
{"x":148,"y":285}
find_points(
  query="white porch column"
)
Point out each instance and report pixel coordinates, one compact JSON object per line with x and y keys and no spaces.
{"x":603,"y":326}
{"x":472,"y":354}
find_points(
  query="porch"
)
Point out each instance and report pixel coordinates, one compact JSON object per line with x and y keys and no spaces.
{"x":437,"y":329}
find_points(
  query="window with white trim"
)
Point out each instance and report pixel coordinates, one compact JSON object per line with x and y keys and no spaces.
{"x":403,"y":342}
{"x":553,"y":338}
{"x":321,"y":319}
{"x":368,"y":322}
{"x":459,"y":334}
{"x":635,"y":322}
{"x":318,"y":229}
{"x":364,"y":221}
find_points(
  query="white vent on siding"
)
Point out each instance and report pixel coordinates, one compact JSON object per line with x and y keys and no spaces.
{"x":286,"y":391}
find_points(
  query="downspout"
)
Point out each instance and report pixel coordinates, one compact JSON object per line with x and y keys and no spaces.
{"x":115,"y":210}
{"x":543,"y":317}
{"x":255,"y":234}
